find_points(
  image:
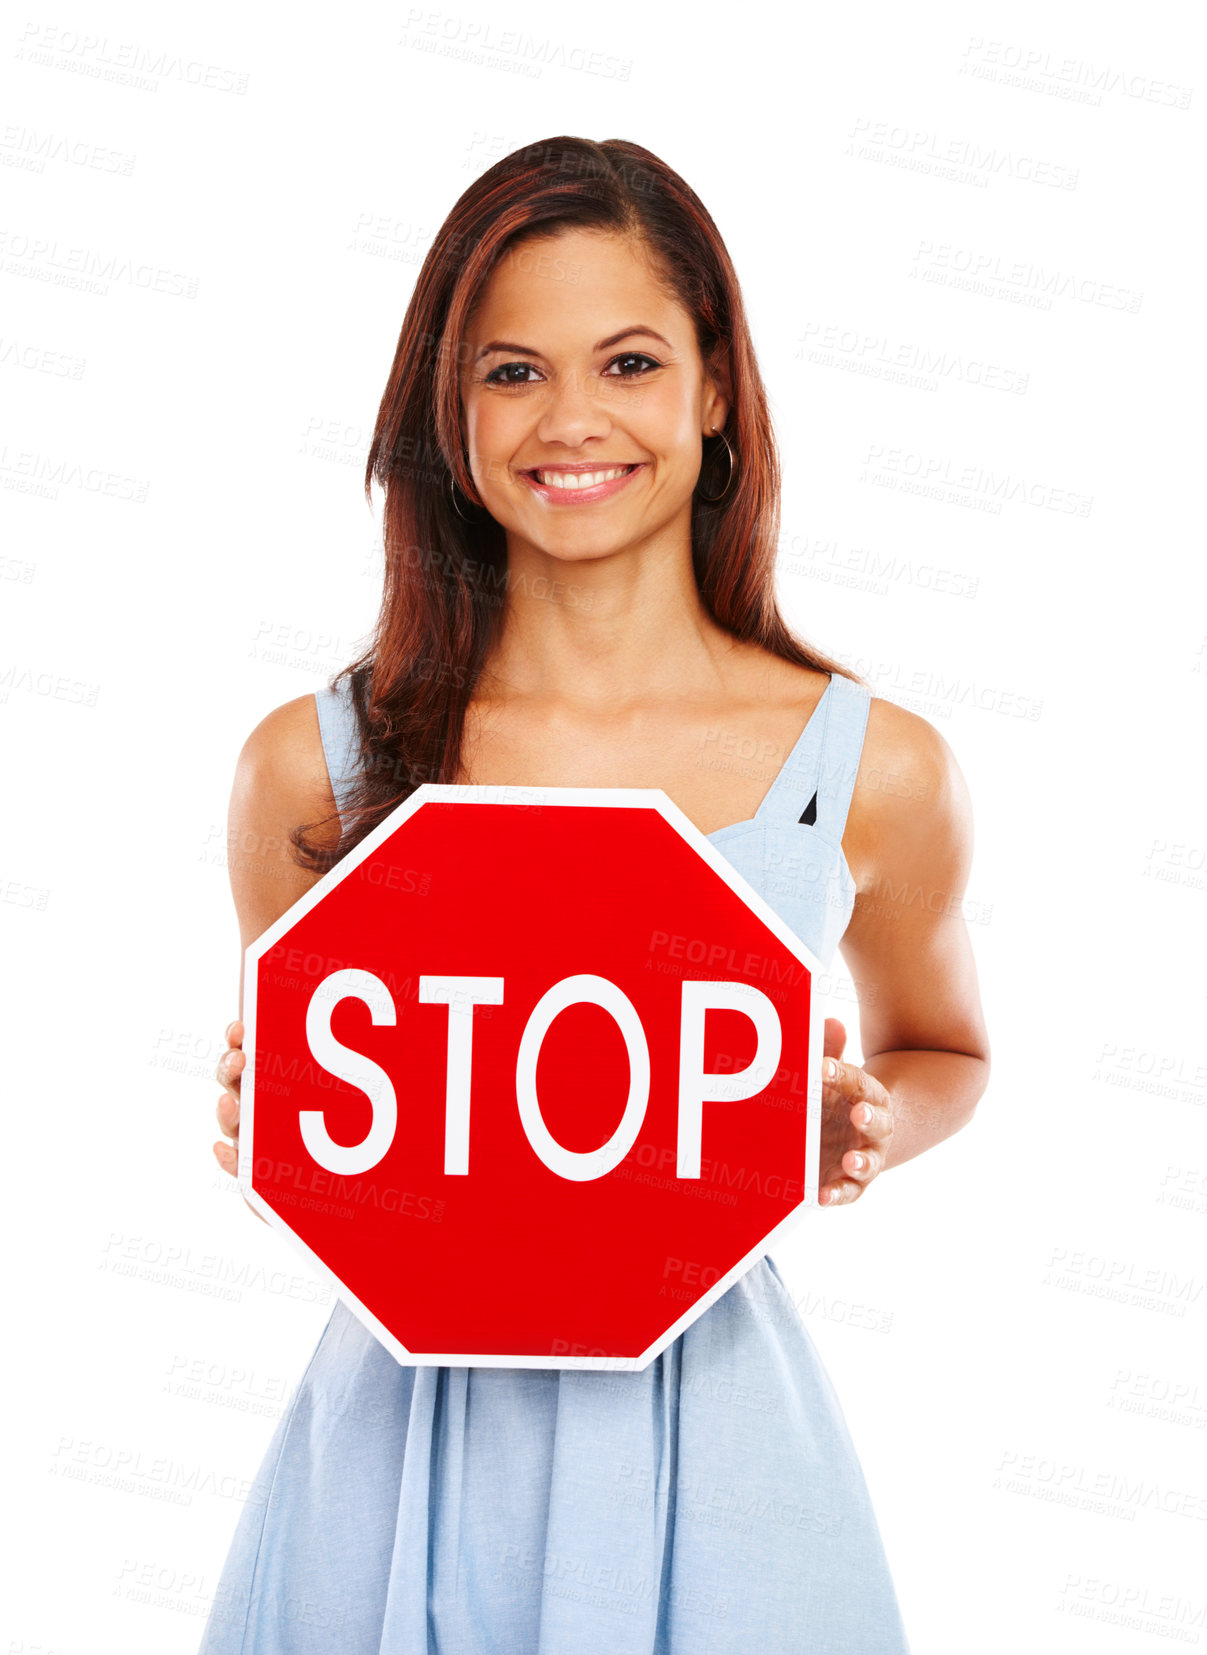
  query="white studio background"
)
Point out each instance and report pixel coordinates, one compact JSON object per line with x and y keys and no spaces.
{"x":965,"y":238}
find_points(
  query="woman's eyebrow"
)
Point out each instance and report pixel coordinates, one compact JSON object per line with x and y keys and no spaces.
{"x":612,"y":339}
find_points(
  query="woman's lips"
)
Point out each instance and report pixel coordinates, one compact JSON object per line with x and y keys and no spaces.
{"x":559,"y":494}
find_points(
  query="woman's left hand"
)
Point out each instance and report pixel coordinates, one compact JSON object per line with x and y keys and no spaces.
{"x":856,"y":1124}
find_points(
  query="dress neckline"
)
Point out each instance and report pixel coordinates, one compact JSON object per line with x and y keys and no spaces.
{"x":785,"y":769}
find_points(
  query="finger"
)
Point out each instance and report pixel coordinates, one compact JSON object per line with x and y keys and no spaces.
{"x":835,"y":1038}
{"x":229,"y":1068}
{"x":840,"y":1192}
{"x":861,"y":1165}
{"x":873,"y":1120}
{"x":833,"y":1179}
{"x":234,"y":1032}
{"x":840,"y":1087}
{"x":839,"y":1079}
{"x":226,"y":1157}
{"x":228,"y":1114}
{"x":849,"y":1083}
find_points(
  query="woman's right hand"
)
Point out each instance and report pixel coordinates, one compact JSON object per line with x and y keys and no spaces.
{"x":228,"y":1073}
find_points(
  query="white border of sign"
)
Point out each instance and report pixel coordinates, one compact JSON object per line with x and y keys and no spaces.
{"x":621,"y":797}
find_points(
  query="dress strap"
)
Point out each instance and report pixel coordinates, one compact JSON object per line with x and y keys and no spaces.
{"x":341,"y":740}
{"x":789,"y":799}
{"x":813,"y":790}
{"x":842,"y":748}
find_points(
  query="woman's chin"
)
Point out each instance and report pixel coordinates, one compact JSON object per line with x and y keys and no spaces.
{"x":575,"y":543}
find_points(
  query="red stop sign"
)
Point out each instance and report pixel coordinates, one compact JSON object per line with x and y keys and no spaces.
{"x":532,"y":1076}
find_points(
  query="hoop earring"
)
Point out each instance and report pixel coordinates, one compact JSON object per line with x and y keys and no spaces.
{"x":451,"y":495}
{"x":713,"y":498}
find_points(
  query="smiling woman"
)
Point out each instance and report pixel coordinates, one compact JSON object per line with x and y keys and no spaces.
{"x":528,"y":412}
{"x":581,"y":497}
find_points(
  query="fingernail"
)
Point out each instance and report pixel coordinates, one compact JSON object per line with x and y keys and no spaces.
{"x":831,"y":1068}
{"x":860,"y":1161}
{"x":865,"y":1114}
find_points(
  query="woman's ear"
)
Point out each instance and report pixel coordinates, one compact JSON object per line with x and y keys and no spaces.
{"x":718,"y":391}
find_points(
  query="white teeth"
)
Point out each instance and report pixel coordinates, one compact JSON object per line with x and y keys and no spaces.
{"x":579,"y":479}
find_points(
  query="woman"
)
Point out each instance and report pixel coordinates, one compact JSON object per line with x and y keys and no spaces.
{"x":581,"y":512}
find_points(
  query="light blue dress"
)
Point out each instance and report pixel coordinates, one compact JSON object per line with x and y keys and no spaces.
{"x":712,"y":1504}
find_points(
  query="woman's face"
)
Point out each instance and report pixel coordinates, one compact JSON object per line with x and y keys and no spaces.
{"x":578,"y":362}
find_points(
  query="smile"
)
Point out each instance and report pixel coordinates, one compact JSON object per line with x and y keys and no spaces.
{"x":573,"y":485}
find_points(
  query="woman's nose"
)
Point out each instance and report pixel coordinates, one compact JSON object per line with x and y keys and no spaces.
{"x":573,"y":412}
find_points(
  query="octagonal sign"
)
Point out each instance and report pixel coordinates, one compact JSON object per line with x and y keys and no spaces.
{"x":533,"y":1076}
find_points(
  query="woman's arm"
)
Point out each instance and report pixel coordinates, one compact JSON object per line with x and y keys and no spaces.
{"x":281,"y":781}
{"x":907,"y":944}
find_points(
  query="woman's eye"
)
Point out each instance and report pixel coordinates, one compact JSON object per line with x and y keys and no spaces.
{"x":634,"y":356}
{"x":632,"y":365}
{"x":496,"y":376}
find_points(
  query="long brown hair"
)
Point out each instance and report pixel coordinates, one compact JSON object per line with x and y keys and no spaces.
{"x":445,"y":565}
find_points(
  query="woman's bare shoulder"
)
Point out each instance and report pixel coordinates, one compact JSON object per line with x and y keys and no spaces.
{"x":909,"y":790}
{"x":281,"y":784}
{"x":283,"y":758}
